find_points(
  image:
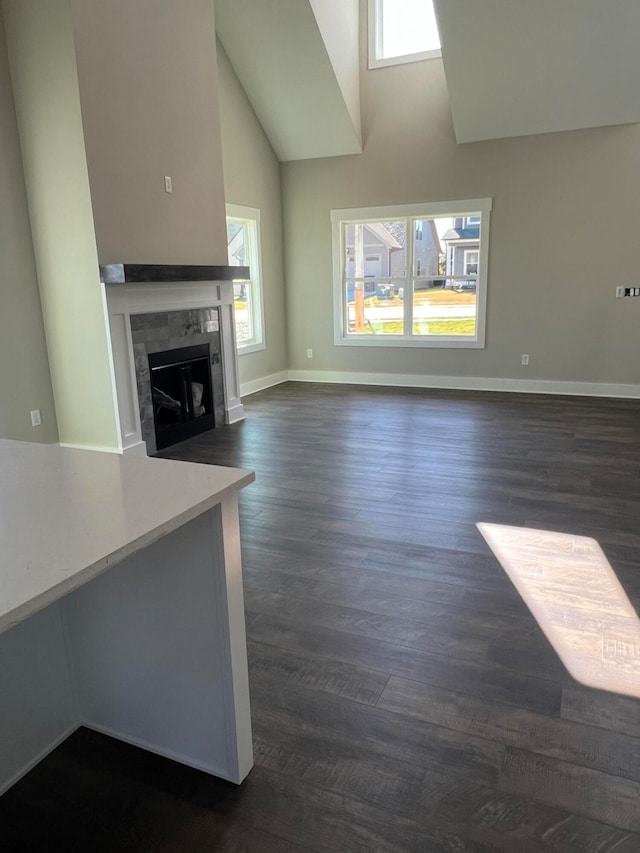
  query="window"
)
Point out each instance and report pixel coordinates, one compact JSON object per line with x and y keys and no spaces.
{"x":428,"y":284}
{"x":243,"y":246}
{"x":402,"y":31}
{"x":471,"y":221}
{"x":471,"y":258}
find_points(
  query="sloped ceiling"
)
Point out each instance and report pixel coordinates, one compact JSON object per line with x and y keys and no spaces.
{"x":297,"y":61}
{"x":519,"y":67}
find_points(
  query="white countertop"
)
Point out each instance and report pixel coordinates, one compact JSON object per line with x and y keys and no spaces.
{"x":66,"y":515}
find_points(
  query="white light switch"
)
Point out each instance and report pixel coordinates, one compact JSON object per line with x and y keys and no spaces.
{"x":168,"y":184}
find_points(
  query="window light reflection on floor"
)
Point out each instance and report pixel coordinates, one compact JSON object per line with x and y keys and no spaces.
{"x":572,"y":591}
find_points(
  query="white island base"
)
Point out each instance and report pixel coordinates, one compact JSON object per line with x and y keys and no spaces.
{"x":121,"y":607}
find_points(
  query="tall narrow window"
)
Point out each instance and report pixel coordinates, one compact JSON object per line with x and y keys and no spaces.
{"x":243,"y":246}
{"x":402,"y":31}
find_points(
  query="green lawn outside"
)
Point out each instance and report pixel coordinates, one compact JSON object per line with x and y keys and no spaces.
{"x":430,"y":327}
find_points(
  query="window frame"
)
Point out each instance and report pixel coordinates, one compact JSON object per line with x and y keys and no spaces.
{"x":426,"y":210}
{"x":251,"y":215}
{"x":465,"y":262}
{"x":375,"y":42}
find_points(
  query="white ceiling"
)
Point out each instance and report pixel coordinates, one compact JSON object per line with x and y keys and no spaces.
{"x":297,"y":61}
{"x":519,"y":67}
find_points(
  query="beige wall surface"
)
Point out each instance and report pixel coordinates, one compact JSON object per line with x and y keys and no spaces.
{"x":566,"y":209}
{"x":252,"y":178}
{"x":148,"y":87}
{"x":25,"y":383}
{"x":45,"y":85}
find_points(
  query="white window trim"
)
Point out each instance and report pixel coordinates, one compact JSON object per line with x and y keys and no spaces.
{"x":375,"y":43}
{"x":238,"y":211}
{"x":408,"y":211}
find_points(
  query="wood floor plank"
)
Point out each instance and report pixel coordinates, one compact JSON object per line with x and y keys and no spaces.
{"x":363,"y":595}
{"x":605,"y":710}
{"x":341,"y":679}
{"x":323,"y":717}
{"x":588,"y":746}
{"x":417,"y":635}
{"x":331,"y":823}
{"x":278,"y":632}
{"x":516,"y":823}
{"x":596,"y":795}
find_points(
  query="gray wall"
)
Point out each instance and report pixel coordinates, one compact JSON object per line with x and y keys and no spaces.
{"x":566,"y":210}
{"x":252,"y":178}
{"x":25,"y":383}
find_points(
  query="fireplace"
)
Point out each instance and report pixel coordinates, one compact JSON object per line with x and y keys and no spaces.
{"x":155,"y":309}
{"x":181,"y":393}
{"x":178,"y":374}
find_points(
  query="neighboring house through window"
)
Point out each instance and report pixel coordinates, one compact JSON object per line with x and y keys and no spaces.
{"x":402,"y":31}
{"x":243,"y":245}
{"x":411,"y":275}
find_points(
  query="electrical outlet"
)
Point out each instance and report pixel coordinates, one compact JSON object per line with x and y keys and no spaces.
{"x":168,"y":184}
{"x":36,"y":418}
{"x":309,"y":353}
{"x":524,"y":361}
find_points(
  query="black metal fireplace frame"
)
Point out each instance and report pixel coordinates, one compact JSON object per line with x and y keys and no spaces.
{"x":189,"y":425}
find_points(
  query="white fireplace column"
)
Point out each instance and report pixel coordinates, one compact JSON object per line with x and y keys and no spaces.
{"x":124,"y":299}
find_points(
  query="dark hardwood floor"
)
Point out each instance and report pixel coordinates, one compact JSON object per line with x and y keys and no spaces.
{"x":403,"y":697}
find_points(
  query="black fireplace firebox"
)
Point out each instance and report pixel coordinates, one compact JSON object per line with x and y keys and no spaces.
{"x":181,"y":393}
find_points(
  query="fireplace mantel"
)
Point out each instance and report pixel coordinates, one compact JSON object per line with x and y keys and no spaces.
{"x":126,"y":298}
{"x":155,"y":273}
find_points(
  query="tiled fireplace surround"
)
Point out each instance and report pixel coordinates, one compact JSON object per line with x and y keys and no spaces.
{"x":152,"y":317}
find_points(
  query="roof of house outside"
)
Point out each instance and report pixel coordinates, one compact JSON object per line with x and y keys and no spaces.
{"x":470,"y":233}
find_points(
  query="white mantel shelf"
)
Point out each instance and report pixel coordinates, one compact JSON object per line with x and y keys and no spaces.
{"x":121,"y":607}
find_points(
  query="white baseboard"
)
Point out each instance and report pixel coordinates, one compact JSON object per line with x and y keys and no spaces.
{"x":98,"y":447}
{"x":469,"y":383}
{"x":38,"y":758}
{"x":256,"y":385}
{"x":234,"y":414}
{"x":214,"y":770}
{"x":139,"y":448}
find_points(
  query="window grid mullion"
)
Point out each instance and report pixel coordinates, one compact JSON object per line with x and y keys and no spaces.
{"x":408,"y":288}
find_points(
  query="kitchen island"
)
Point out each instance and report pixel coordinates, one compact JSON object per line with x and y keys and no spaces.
{"x":121,"y":607}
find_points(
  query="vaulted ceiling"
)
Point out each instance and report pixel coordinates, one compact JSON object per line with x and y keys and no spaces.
{"x":513,"y":67}
{"x":298,"y":62}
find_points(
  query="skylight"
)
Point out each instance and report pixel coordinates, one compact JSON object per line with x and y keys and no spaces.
{"x":402,"y":31}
